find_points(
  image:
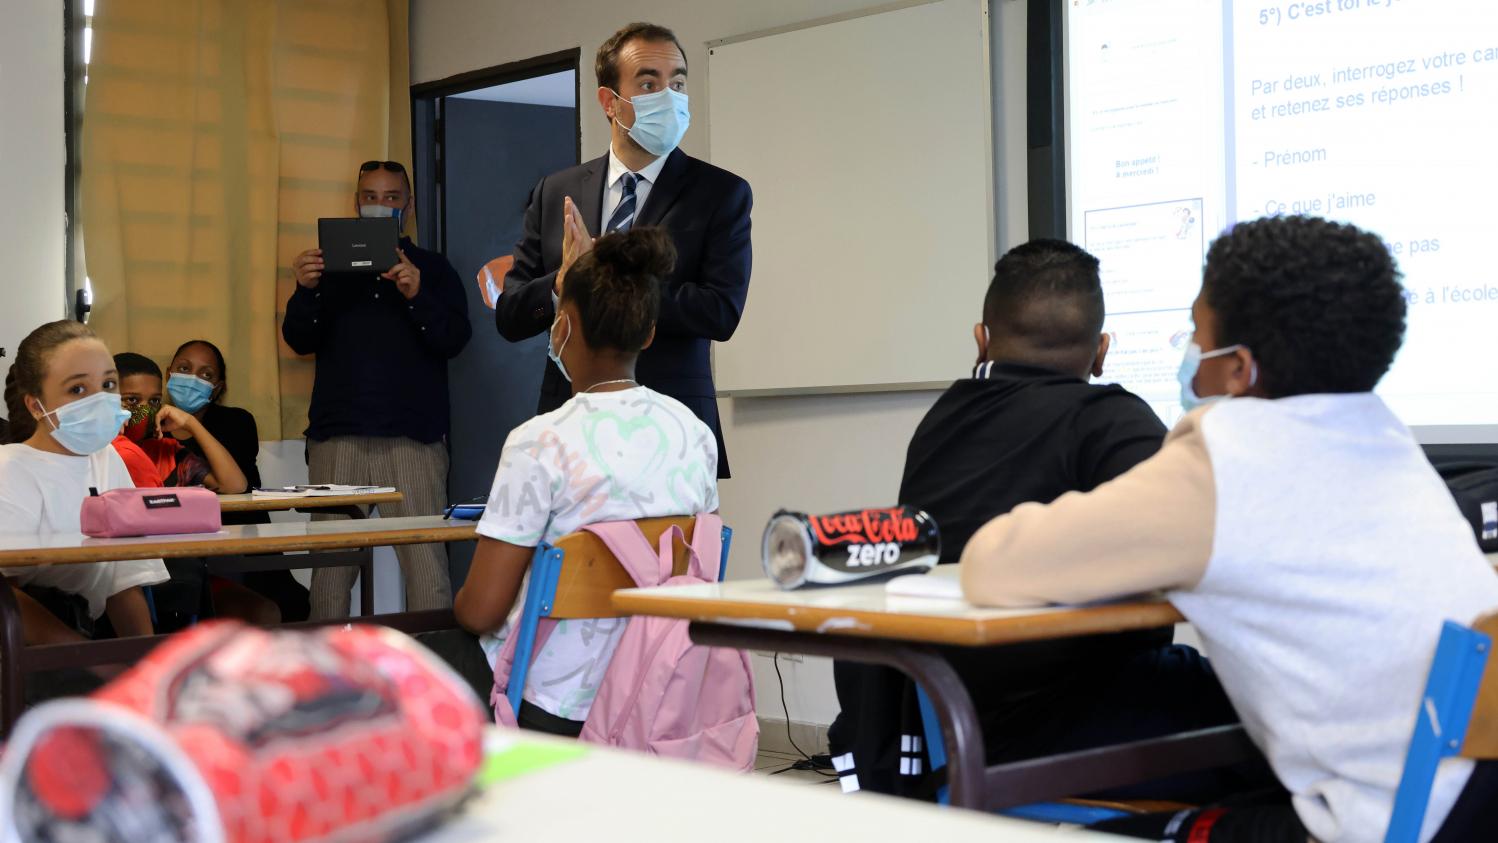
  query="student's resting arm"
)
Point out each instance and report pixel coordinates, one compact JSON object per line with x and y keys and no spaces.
{"x":528,"y":286}
{"x":711,"y":304}
{"x":306,"y":323}
{"x":224,"y":475}
{"x":515,"y":520}
{"x":488,"y":594}
{"x":1149,"y":529}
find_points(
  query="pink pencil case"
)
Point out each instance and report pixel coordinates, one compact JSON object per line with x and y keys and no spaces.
{"x":150,"y":512}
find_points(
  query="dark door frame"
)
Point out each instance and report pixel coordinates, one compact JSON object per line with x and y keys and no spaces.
{"x":427,"y":112}
{"x":73,"y":72}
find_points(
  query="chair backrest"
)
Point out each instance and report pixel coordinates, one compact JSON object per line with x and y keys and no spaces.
{"x":1482,"y":727}
{"x":577,"y":578}
{"x":589,"y":574}
{"x":1458,"y":715}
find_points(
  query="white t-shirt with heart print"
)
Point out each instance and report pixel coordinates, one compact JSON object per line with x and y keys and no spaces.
{"x":608,"y":456}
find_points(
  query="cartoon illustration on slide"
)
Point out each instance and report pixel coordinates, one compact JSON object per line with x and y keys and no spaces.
{"x":1187,"y":221}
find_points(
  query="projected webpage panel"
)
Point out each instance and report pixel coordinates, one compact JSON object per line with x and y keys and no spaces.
{"x":1376,"y":112}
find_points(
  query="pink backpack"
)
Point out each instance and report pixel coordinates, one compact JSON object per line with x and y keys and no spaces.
{"x":661,"y":694}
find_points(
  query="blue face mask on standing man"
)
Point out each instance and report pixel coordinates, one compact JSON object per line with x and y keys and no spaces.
{"x":379,"y":212}
{"x":661,"y":120}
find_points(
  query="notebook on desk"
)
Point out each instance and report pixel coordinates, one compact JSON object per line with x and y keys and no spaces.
{"x":942,"y":583}
{"x":320,"y":491}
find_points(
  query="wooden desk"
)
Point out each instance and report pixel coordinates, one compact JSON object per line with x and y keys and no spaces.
{"x":17,"y":549}
{"x":349,"y":506}
{"x":245,"y":543}
{"x":630,"y":796}
{"x":869,"y":611}
{"x":342,"y":503}
{"x":863,"y":623}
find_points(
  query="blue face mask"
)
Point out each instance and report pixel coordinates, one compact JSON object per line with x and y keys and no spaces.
{"x":554,"y":352}
{"x":189,"y":393}
{"x":379,"y":212}
{"x":1187,"y":374}
{"x":661,"y":119}
{"x":88,"y":425}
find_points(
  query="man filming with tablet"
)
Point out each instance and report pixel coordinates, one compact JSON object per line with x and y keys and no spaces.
{"x":379,"y":412}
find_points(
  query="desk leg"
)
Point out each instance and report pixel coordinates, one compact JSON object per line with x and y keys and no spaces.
{"x":366,"y":584}
{"x":925,"y":665}
{"x":366,"y":565}
{"x":12,"y":676}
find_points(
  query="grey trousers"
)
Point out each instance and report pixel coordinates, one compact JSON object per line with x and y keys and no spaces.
{"x":417,"y":471}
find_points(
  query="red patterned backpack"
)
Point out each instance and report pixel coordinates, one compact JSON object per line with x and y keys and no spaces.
{"x":227,"y":733}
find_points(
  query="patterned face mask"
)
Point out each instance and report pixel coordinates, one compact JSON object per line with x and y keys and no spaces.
{"x":142,"y":422}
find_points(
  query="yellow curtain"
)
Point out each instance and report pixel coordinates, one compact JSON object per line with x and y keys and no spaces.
{"x":215,"y":133}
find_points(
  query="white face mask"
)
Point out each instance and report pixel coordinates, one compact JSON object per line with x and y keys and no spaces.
{"x":1192,"y":362}
{"x":555,"y":352}
{"x":88,"y":424}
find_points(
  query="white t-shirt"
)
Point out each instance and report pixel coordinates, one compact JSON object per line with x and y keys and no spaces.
{"x":609,"y":456}
{"x":44,"y":492}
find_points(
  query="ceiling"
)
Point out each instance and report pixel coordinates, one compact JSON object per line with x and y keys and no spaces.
{"x":556,"y":89}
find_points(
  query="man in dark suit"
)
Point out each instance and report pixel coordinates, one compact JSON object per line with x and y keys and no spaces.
{"x":643,"y":180}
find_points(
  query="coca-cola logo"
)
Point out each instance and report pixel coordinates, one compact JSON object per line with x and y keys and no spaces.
{"x":868,"y":526}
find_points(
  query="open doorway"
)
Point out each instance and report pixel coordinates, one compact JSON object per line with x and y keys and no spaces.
{"x":482,"y":142}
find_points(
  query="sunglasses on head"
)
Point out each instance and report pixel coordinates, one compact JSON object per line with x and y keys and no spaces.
{"x":392,"y":166}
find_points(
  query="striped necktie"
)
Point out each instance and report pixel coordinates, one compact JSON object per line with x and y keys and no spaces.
{"x":624,"y":215}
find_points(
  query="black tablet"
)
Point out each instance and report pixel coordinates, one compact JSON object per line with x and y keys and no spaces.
{"x":358,"y":245}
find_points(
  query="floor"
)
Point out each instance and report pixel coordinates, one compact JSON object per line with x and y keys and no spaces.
{"x":778,"y":764}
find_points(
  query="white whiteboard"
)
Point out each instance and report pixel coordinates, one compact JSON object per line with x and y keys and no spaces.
{"x":866,"y":141}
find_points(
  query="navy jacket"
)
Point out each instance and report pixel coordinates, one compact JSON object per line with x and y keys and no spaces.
{"x":706,"y":210}
{"x":381,"y":359}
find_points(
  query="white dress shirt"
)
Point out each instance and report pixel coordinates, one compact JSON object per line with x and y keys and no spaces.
{"x":614,"y":194}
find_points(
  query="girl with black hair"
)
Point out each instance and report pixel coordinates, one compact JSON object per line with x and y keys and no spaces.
{"x":197,"y":380}
{"x":616,"y":451}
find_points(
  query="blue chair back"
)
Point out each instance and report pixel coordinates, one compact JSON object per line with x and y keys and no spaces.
{"x":541,"y":601}
{"x":1441,"y":724}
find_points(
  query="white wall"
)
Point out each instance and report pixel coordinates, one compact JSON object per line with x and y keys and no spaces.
{"x":814,"y":453}
{"x":33,"y":166}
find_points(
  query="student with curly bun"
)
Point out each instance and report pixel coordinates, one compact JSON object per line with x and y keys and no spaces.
{"x":615,"y":451}
{"x":1295,"y":521}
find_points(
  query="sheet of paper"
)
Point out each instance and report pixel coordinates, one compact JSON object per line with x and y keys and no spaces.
{"x":320,"y":491}
{"x":925,"y":585}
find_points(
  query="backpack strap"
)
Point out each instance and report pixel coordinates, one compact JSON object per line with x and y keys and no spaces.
{"x":707,"y":541}
{"x":650,"y":566}
{"x":633,"y":550}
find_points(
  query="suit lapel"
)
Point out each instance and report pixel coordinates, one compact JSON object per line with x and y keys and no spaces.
{"x":675,"y":176}
{"x":589,"y":193}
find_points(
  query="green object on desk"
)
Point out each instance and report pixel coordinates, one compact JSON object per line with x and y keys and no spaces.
{"x":522,"y":758}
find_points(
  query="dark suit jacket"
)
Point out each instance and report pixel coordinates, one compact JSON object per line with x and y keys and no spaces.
{"x":706,"y":210}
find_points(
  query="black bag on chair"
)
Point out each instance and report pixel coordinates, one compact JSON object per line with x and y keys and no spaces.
{"x":1474,"y":484}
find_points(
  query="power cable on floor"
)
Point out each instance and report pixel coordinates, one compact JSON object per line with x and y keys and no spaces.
{"x":819,"y":764}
